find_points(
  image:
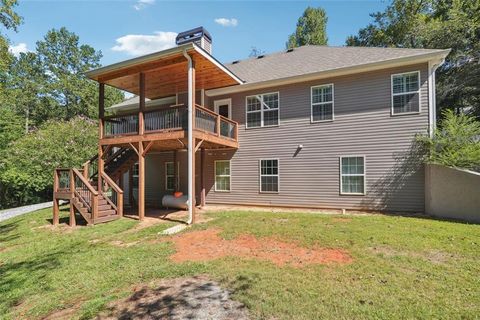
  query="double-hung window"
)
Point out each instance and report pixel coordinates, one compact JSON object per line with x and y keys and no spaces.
{"x":262,"y":110}
{"x":352,"y":175}
{"x":322,"y":103}
{"x":269,"y":178}
{"x":170,"y":183}
{"x":222,"y":175}
{"x":406,"y":93}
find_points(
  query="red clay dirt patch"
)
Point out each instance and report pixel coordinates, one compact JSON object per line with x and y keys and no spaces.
{"x":207,"y":245}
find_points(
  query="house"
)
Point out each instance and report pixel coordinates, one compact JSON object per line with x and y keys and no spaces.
{"x":314,"y":126}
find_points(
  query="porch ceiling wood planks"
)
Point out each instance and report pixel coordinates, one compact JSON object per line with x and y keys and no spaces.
{"x":166,"y":74}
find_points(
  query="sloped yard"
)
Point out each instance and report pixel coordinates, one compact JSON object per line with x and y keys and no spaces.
{"x":242,"y":264}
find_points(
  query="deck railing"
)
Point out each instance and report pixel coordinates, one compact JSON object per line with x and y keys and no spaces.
{"x":112,"y":193}
{"x":61,"y":181}
{"x":85,"y":192}
{"x":169,"y":119}
{"x":120,"y":125}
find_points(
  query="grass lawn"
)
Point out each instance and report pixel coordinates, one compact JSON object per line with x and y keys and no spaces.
{"x":402,"y":267}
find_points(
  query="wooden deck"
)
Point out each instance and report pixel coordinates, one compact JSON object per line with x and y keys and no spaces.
{"x":165,"y":128}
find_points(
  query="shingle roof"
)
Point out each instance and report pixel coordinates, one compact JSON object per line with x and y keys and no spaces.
{"x":312,"y":59}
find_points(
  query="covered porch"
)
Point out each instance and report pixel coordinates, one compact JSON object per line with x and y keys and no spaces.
{"x":190,"y":126}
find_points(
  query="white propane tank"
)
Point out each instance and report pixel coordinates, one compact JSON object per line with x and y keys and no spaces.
{"x":170,"y":201}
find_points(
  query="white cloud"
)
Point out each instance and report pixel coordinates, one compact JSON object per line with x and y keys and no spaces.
{"x":140,"y":4}
{"x":19,"y":48}
{"x":227,"y":22}
{"x":138,"y":44}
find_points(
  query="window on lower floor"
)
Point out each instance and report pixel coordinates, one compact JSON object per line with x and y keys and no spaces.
{"x":135,"y":175}
{"x":269,"y":178}
{"x":262,"y":110}
{"x":322,"y":103}
{"x":406,"y":93}
{"x":170,"y":183}
{"x":352,"y":175}
{"x":222,"y":175}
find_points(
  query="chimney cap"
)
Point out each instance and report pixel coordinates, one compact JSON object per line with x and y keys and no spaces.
{"x":192,"y":34}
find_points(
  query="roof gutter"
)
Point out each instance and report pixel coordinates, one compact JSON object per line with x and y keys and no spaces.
{"x":435,"y":56}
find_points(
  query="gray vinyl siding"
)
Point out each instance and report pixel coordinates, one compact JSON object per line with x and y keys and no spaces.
{"x":363,"y":126}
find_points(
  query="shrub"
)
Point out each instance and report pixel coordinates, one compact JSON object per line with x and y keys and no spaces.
{"x":26,"y":170}
{"x":456,"y":143}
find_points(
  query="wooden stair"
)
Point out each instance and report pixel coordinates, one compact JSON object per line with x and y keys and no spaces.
{"x":105,"y":211}
{"x":95,"y":206}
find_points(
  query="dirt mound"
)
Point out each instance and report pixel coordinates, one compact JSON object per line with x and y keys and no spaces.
{"x":183,"y":298}
{"x":208,"y":245}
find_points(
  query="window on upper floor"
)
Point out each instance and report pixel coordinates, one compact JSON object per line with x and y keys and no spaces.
{"x":269,"y":177}
{"x":406,"y":93}
{"x":262,"y":110}
{"x":322,"y":103}
{"x":352,"y":175}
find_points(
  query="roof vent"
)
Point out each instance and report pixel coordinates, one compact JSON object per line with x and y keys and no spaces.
{"x":235,"y":62}
{"x":260,"y":56}
{"x":200,"y":36}
{"x":290,"y":49}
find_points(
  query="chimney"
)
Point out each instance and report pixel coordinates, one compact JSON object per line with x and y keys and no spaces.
{"x":199,"y":36}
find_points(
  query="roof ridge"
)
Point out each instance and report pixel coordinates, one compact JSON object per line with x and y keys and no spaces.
{"x":265,"y":55}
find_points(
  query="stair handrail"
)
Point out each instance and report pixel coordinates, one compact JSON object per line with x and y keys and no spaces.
{"x":86,"y":167}
{"x":119,"y":205}
{"x":93,"y":203}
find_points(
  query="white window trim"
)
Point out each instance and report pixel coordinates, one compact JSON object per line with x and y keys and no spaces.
{"x":169,"y":175}
{"x":222,"y":102}
{"x":261,"y":110}
{"x":356,"y":174}
{"x":223,"y":175}
{"x":268,"y":175}
{"x":322,"y":103}
{"x":392,"y":113}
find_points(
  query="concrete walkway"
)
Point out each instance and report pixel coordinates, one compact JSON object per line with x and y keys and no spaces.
{"x":10,"y":213}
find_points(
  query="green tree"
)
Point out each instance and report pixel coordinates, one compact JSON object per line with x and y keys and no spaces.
{"x":8,"y":17}
{"x":311,"y":29}
{"x":11,"y":128}
{"x":456,"y":143}
{"x":451,"y":24}
{"x":27,"y":86}
{"x":51,"y":83}
{"x":28,"y":163}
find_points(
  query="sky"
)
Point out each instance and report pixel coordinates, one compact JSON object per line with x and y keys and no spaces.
{"x":124,"y":29}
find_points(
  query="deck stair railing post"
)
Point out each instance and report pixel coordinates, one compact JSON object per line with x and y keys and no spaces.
{"x":112,"y":193}
{"x":85,"y":193}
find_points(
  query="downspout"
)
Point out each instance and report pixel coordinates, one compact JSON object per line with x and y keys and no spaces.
{"x":190,"y":137}
{"x":432,"y":103}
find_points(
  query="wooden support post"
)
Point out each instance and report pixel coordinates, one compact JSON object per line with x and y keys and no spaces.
{"x":100,"y":169}
{"x":56,"y":209}
{"x":141,"y":109}
{"x":72,"y":221}
{"x":141,"y":182}
{"x":101,"y":108}
{"x":202,"y":177}
{"x":120,"y":197}
{"x":175,"y":170}
{"x":56,"y":212}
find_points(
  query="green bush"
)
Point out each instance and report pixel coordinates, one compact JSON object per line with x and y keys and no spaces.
{"x":26,"y":170}
{"x":456,"y":143}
